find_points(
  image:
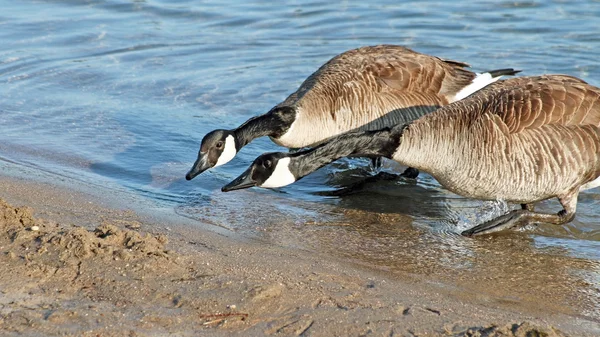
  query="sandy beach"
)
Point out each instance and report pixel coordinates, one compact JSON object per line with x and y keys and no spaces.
{"x":74,"y":265}
{"x":103,"y":108}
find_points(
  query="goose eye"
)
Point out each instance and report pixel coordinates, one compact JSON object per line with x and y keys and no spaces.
{"x":267,"y":163}
{"x":219,"y":145}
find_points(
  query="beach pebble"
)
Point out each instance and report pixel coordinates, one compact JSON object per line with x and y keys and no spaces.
{"x":134,"y":225}
{"x":35,"y":228}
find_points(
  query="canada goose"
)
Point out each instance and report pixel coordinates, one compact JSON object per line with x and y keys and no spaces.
{"x":521,"y":140}
{"x":362,"y":89}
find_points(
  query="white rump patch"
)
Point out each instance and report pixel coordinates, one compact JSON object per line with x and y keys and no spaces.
{"x":592,"y":184}
{"x":228,"y":152}
{"x":281,"y":176}
{"x":479,"y":82}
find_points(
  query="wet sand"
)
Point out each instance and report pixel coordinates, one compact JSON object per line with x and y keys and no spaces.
{"x":73,"y":264}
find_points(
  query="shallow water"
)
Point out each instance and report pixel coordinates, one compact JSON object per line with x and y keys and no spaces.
{"x":118,"y":94}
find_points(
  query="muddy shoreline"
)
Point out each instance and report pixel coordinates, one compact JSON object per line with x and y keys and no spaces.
{"x":72,"y":266}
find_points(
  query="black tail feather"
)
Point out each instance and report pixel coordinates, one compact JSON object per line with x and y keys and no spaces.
{"x":501,"y":72}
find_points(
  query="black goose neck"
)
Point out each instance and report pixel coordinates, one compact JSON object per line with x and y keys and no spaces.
{"x":274,"y":123}
{"x":380,"y":143}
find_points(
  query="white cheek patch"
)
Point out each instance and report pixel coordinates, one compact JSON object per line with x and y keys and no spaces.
{"x":281,"y":176}
{"x":228,"y":152}
{"x":479,"y":82}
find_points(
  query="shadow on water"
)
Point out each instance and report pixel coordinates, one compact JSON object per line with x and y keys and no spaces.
{"x":316,"y":195}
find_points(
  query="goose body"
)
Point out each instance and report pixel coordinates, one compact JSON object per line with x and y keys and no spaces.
{"x":370,"y":88}
{"x":362,"y":89}
{"x":521,"y":140}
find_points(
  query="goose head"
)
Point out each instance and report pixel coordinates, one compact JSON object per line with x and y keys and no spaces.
{"x":270,"y":170}
{"x":217,"y":148}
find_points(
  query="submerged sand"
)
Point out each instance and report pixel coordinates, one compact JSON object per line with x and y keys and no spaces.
{"x":72,"y":266}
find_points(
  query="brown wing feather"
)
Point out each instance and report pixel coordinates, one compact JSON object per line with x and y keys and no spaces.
{"x":406,"y":70}
{"x":349,"y":84}
{"x":530,"y":103}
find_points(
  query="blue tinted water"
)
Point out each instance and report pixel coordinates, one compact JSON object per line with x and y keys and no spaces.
{"x":118,"y":94}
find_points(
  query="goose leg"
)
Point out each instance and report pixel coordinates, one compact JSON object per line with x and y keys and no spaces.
{"x":525,"y":216}
{"x":377,"y":163}
{"x":410,"y":173}
{"x":529,"y":207}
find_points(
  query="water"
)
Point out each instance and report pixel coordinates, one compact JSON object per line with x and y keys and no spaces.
{"x":118,"y":94}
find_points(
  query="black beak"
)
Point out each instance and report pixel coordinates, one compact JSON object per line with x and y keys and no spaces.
{"x":241,"y":182}
{"x":200,"y":166}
